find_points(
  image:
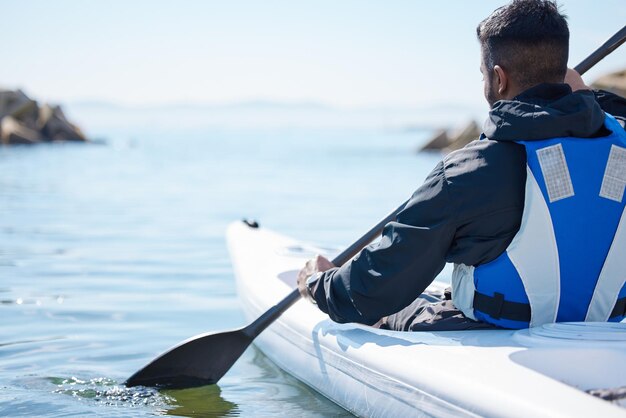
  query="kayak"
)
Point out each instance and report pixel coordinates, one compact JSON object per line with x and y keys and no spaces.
{"x":547,"y":371}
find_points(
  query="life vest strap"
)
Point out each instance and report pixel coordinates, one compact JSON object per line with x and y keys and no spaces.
{"x":496,"y":307}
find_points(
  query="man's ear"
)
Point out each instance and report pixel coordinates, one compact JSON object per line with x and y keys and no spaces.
{"x":501,"y":80}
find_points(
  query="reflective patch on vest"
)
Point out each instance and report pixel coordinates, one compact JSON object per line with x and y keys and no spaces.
{"x":614,"y":180}
{"x":555,"y":172}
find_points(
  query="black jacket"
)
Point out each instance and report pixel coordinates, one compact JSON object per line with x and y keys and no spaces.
{"x":467,"y":211}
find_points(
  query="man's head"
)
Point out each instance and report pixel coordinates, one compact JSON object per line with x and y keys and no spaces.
{"x":523,"y":44}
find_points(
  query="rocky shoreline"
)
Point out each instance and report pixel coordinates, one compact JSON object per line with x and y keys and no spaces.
{"x":24,"y":121}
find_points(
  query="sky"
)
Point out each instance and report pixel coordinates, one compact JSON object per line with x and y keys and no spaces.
{"x":344,"y":53}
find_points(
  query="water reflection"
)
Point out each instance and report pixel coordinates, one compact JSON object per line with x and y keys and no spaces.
{"x":261,"y":388}
{"x":205,"y":401}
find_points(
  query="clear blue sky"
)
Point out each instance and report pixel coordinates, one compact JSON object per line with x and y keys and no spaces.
{"x":343,"y":53}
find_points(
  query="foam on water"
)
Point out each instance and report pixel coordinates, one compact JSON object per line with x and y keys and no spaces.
{"x":108,"y":392}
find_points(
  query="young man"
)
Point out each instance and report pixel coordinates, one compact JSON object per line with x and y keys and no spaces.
{"x":532,"y":214}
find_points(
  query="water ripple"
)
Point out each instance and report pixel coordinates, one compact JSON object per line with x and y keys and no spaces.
{"x":109,"y":256}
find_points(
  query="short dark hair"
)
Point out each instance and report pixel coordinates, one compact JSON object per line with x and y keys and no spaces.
{"x":528,"y":38}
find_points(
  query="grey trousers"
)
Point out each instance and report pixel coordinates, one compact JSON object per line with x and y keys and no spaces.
{"x":432,"y":312}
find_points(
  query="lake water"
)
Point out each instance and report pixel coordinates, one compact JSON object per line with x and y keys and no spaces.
{"x":110,"y":254}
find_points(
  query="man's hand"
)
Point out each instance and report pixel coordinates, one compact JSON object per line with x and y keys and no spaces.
{"x":313,"y":266}
{"x":575,"y":81}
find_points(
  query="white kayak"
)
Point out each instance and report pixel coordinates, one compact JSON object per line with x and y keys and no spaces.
{"x":541,"y":372}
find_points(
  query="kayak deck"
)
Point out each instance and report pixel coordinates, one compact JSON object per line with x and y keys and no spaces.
{"x":373,"y":372}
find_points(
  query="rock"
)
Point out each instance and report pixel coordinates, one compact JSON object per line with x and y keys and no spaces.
{"x":29,"y":116}
{"x":446,"y":142}
{"x":463,"y":136}
{"x":14,"y":132}
{"x":16,"y":104}
{"x":439,"y":141}
{"x":614,"y":82}
{"x":22,"y":121}
{"x":54,"y":126}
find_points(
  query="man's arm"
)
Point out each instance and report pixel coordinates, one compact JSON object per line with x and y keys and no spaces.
{"x":609,"y":102}
{"x":387,"y":276}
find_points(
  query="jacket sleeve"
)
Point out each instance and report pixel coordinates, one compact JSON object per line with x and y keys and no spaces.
{"x":391,"y":273}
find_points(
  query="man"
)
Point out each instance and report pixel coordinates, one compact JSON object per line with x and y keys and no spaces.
{"x":532,"y":214}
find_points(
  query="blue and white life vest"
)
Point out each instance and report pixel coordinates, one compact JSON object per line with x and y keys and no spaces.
{"x":568,"y":260}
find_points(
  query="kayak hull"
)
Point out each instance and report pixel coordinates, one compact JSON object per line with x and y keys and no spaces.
{"x":379,"y":373}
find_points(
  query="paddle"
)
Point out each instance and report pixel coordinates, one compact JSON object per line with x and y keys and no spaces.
{"x":605,"y":49}
{"x":205,"y":358}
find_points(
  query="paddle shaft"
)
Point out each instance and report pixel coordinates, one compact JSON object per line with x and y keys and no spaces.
{"x":605,"y":49}
{"x":255,"y":328}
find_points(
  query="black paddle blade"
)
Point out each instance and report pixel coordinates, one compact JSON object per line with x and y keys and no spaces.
{"x":198,"y":361}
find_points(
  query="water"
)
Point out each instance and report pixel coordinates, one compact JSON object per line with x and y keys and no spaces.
{"x":110,"y":254}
